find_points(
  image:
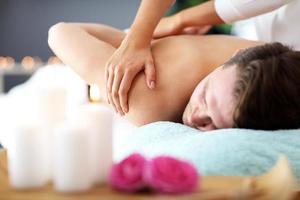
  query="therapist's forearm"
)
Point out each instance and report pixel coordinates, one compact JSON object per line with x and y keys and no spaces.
{"x":147,"y":18}
{"x":226,"y":11}
{"x":203,"y":14}
{"x":234,"y":10}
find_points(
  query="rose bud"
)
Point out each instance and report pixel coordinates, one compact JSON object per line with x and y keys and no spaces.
{"x":165,"y":174}
{"x":128,"y":174}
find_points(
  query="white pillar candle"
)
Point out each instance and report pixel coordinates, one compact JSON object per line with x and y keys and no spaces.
{"x":51,"y":111}
{"x":28,"y":157}
{"x":51,"y":108}
{"x":98,"y":117}
{"x":122,"y":130}
{"x":72,"y":160}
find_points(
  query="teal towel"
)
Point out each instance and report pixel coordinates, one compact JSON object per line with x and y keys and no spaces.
{"x":218,"y":152}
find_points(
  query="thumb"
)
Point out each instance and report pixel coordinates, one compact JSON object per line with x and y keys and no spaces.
{"x":150,"y":74}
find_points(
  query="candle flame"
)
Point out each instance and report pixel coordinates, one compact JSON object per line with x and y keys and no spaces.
{"x":6,"y":62}
{"x":28,"y":63}
{"x":54,"y":60}
{"x":94,"y":93}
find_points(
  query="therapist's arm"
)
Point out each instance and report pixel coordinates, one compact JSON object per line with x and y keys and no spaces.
{"x":215,"y":12}
{"x":234,"y":10}
{"x":147,"y":17}
{"x":134,"y":54}
{"x":199,"y":16}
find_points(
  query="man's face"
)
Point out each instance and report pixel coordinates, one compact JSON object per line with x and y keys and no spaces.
{"x":212,"y":103}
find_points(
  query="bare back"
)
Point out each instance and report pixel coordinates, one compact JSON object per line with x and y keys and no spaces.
{"x":181,"y":63}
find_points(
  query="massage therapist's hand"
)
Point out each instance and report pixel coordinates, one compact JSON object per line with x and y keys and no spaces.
{"x":121,"y":69}
{"x":173,"y":26}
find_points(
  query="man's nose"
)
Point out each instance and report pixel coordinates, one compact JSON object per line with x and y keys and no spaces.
{"x":200,"y":120}
{"x":195,"y":115}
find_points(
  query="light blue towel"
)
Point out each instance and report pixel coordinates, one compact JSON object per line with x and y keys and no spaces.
{"x":219,"y":152}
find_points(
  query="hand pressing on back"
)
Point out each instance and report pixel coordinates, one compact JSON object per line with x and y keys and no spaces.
{"x":121,"y":69}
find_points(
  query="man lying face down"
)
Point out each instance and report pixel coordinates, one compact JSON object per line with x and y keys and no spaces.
{"x":258,"y":88}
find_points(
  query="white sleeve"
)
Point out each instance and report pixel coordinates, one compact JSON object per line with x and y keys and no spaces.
{"x":234,"y":10}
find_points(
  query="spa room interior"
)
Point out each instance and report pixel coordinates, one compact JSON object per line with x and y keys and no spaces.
{"x":60,"y":140}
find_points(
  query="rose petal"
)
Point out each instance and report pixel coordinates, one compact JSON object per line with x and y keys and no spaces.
{"x":128,"y":174}
{"x":166,"y":174}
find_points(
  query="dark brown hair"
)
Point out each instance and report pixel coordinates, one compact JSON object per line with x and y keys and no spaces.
{"x":267,"y":87}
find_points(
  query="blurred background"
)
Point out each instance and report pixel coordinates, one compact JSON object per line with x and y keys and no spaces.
{"x":25,"y":23}
{"x":24,"y":26}
{"x":183,"y":4}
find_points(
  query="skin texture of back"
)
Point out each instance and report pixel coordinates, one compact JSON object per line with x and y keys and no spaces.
{"x":181,"y":62}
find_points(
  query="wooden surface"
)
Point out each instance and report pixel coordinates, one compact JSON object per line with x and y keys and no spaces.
{"x":97,"y":193}
{"x":220,"y":186}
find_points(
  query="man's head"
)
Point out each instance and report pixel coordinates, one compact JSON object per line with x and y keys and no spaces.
{"x":258,"y":88}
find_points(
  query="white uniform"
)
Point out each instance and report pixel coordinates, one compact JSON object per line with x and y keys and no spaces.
{"x":274,"y":20}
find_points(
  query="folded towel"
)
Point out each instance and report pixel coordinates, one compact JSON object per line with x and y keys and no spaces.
{"x":218,"y":152}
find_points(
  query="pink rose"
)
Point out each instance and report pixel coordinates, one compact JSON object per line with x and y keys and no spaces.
{"x":128,"y":174}
{"x":165,"y":174}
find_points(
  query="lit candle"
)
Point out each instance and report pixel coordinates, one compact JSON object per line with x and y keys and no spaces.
{"x":53,"y":60}
{"x":28,"y":157}
{"x":72,"y":159}
{"x":98,"y":118}
{"x":51,"y":105}
{"x":28,"y":63}
{"x":94,"y":93}
{"x":10,"y":62}
{"x":51,"y":112}
{"x":3,"y":62}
